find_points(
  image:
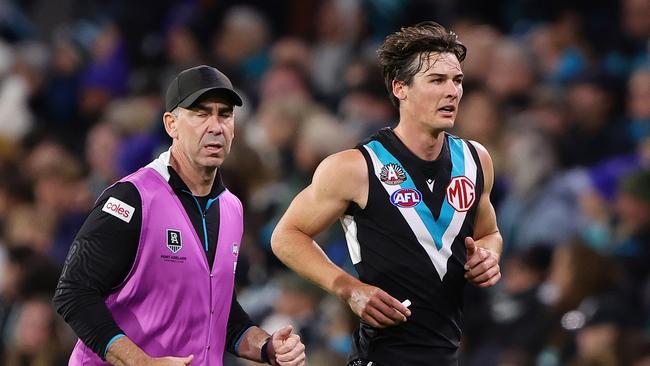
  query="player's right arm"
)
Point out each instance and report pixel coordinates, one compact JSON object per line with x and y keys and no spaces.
{"x":339,"y":180}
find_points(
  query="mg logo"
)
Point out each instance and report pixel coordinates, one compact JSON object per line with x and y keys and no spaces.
{"x":461,"y":193}
{"x":406,"y":197}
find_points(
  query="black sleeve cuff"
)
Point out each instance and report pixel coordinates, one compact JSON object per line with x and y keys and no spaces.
{"x":95,"y":327}
{"x":264,"y":356}
{"x":238,"y":324}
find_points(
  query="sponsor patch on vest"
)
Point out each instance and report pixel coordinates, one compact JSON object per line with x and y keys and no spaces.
{"x":392,"y":174}
{"x":461,"y":193}
{"x":235,"y":248}
{"x":174,"y":241}
{"x":406,"y":197}
{"x":118,"y":209}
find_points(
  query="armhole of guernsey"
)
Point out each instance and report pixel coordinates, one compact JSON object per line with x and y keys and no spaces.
{"x":347,"y":220}
{"x":480,"y":177}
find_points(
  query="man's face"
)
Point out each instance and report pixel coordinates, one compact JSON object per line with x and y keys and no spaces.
{"x":434,"y":93}
{"x":204,"y":131}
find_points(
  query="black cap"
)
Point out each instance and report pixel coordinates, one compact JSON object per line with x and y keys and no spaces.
{"x":190,"y":84}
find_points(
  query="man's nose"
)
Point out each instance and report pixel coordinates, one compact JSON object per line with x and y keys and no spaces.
{"x":452,"y":89}
{"x":214,"y":124}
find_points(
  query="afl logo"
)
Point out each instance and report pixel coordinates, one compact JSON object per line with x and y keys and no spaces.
{"x":461,"y":193}
{"x":406,"y":197}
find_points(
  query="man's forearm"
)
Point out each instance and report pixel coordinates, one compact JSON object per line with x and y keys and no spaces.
{"x":250,"y":346}
{"x":123,"y":352}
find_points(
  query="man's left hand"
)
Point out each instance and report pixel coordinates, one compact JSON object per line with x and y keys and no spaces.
{"x":286,"y":349}
{"x":482,"y":266}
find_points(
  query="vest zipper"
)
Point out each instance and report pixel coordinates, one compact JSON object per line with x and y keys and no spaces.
{"x":205,"y":231}
{"x":203,"y":213}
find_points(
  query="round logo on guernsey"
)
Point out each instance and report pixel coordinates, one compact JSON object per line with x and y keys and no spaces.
{"x":406,"y":197}
{"x":461,"y":193}
{"x":392,"y":174}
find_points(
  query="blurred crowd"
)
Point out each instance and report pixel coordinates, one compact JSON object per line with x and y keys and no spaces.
{"x":558,"y":91}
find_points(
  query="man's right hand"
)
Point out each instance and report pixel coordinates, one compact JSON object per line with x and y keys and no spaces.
{"x":171,"y":361}
{"x":374,"y":306}
{"x":123,"y":352}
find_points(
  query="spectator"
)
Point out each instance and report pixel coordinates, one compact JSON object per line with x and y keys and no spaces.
{"x":602,"y":324}
{"x":570,"y":281}
{"x":36,"y":340}
{"x":538,"y":197}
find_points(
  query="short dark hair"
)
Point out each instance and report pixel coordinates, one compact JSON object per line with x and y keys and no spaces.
{"x":403,"y":53}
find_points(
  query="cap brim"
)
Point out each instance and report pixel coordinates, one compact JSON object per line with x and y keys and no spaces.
{"x":236,"y":99}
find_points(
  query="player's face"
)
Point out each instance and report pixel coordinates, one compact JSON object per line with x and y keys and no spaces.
{"x":205,"y":132}
{"x":434,"y":93}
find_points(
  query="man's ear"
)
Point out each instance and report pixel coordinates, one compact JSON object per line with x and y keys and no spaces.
{"x":170,"y":121}
{"x":399,"y":89}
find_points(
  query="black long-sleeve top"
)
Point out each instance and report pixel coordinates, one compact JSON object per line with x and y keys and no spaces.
{"x":103,"y":253}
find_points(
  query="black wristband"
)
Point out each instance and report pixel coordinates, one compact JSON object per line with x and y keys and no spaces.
{"x":264,"y":352}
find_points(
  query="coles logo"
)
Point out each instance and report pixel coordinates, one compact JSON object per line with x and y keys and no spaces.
{"x":461,"y":193}
{"x":118,"y":209}
{"x":406,"y":197}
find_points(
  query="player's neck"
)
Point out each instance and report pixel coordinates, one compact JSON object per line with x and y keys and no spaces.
{"x":426,"y":145}
{"x":198,"y":179}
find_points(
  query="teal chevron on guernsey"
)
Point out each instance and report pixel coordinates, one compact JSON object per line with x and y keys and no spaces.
{"x":436,"y":227}
{"x":435,"y":236}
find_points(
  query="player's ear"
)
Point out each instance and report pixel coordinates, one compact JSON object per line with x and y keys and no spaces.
{"x":399,"y":89}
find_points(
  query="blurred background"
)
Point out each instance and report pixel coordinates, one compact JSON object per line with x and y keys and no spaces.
{"x":558,"y":91}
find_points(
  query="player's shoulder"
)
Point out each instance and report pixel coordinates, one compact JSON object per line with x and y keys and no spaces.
{"x":486,"y":164}
{"x":343,"y":164}
{"x":480,"y":149}
{"x":345,"y":170}
{"x":482,"y":152}
{"x":344,"y":159}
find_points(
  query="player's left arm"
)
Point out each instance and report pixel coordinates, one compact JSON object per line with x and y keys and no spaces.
{"x":484,"y":248}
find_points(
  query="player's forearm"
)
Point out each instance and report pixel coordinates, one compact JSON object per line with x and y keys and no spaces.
{"x":492,"y":242}
{"x":250,"y":346}
{"x":123,"y":352}
{"x":301,"y":253}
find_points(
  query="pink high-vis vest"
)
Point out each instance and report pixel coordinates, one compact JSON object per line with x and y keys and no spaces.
{"x":171,"y":304}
